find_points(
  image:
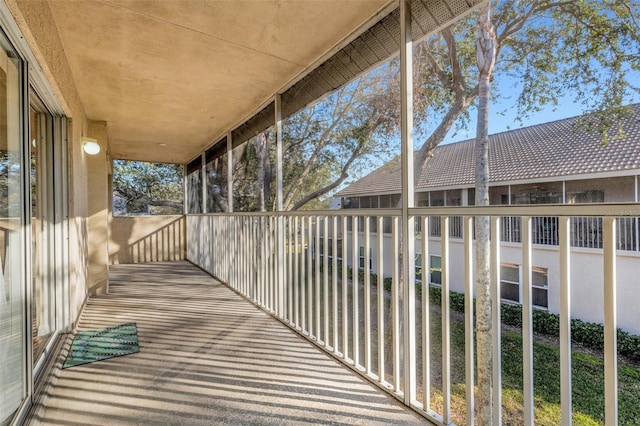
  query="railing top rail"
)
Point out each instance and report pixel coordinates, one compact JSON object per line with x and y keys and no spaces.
{"x":566,"y":210}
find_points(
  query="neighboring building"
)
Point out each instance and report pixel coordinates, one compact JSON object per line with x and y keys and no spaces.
{"x":551,"y":163}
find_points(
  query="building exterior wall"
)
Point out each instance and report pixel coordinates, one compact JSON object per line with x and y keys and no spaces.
{"x":586,"y":275}
{"x":36,"y":23}
{"x":135,"y":239}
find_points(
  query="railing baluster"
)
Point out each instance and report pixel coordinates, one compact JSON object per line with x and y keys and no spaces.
{"x":446,"y":320}
{"x":325,"y":281}
{"x":367,"y":296}
{"x":610,"y":323}
{"x":468,"y":319}
{"x":381,"y":327}
{"x":310,"y":276}
{"x":334,"y":280}
{"x":426,"y":317}
{"x":395,"y":305}
{"x":289,"y":257}
{"x":317,"y":282}
{"x":303,"y":275}
{"x":255,"y":267}
{"x":527,"y":323}
{"x":565,"y":321}
{"x":355,"y":271}
{"x":496,"y":320}
{"x":296,"y":271}
{"x":262,"y":253}
{"x":345,"y":312}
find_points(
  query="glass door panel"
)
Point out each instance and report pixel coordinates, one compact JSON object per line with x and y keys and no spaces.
{"x":43,"y":282}
{"x":13,"y":349}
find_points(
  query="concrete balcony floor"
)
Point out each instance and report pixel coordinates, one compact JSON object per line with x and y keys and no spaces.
{"x":206,"y":356}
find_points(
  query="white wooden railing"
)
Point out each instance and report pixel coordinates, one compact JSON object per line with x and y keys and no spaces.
{"x":290,"y":264}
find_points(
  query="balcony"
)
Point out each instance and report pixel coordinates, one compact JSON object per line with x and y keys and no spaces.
{"x":207,"y":356}
{"x":319,"y":316}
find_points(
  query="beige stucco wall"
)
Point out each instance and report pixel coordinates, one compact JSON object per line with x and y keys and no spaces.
{"x":135,"y":239}
{"x":35,"y":20}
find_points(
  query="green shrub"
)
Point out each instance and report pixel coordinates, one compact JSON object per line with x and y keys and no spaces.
{"x":587,"y":334}
{"x":511,"y":315}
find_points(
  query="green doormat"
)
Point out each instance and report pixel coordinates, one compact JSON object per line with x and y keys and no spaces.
{"x":97,"y":345}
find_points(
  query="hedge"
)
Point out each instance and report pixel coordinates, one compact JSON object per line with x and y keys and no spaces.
{"x":587,"y":334}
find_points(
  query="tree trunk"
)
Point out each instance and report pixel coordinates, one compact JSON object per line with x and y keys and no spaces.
{"x":486,"y":49}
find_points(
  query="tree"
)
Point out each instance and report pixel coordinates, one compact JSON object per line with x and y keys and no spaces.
{"x":544,"y":48}
{"x":322,"y":145}
{"x":486,"y":51}
{"x":149,"y":187}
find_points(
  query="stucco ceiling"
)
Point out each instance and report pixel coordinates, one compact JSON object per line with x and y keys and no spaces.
{"x":169,"y":76}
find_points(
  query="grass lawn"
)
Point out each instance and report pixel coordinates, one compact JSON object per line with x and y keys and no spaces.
{"x":587,"y":382}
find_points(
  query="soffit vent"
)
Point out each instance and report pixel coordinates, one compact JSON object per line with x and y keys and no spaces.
{"x":375,"y":45}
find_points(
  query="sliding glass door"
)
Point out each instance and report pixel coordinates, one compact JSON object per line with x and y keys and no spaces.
{"x":33,"y":234}
{"x":13,"y":207}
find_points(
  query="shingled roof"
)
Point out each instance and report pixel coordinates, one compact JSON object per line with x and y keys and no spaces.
{"x":559,"y":148}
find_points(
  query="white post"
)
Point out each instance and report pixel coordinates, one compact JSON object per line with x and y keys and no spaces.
{"x":203,"y":169}
{"x":230,"y":172}
{"x":496,"y":320}
{"x":408,"y":222}
{"x":185,"y":191}
{"x":280,"y":278}
{"x":610,"y":325}
{"x":527,"y":322}
{"x":446,"y":319}
{"x":565,"y":321}
{"x":468,"y":316}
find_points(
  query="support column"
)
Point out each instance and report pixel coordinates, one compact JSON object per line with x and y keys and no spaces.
{"x":98,"y":211}
{"x":280,"y":224}
{"x":185,"y":191}
{"x":230,"y":172}
{"x":203,"y":174}
{"x":408,"y":222}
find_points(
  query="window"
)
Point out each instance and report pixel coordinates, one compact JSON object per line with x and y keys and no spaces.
{"x":435,"y":270}
{"x":418,"y":264}
{"x":389,"y":201}
{"x":350,"y":202}
{"x":539,"y":287}
{"x":510,"y":282}
{"x":422,"y":199}
{"x":361,"y":258}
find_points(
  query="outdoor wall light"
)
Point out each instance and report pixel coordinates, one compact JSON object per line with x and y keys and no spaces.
{"x":90,"y":146}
